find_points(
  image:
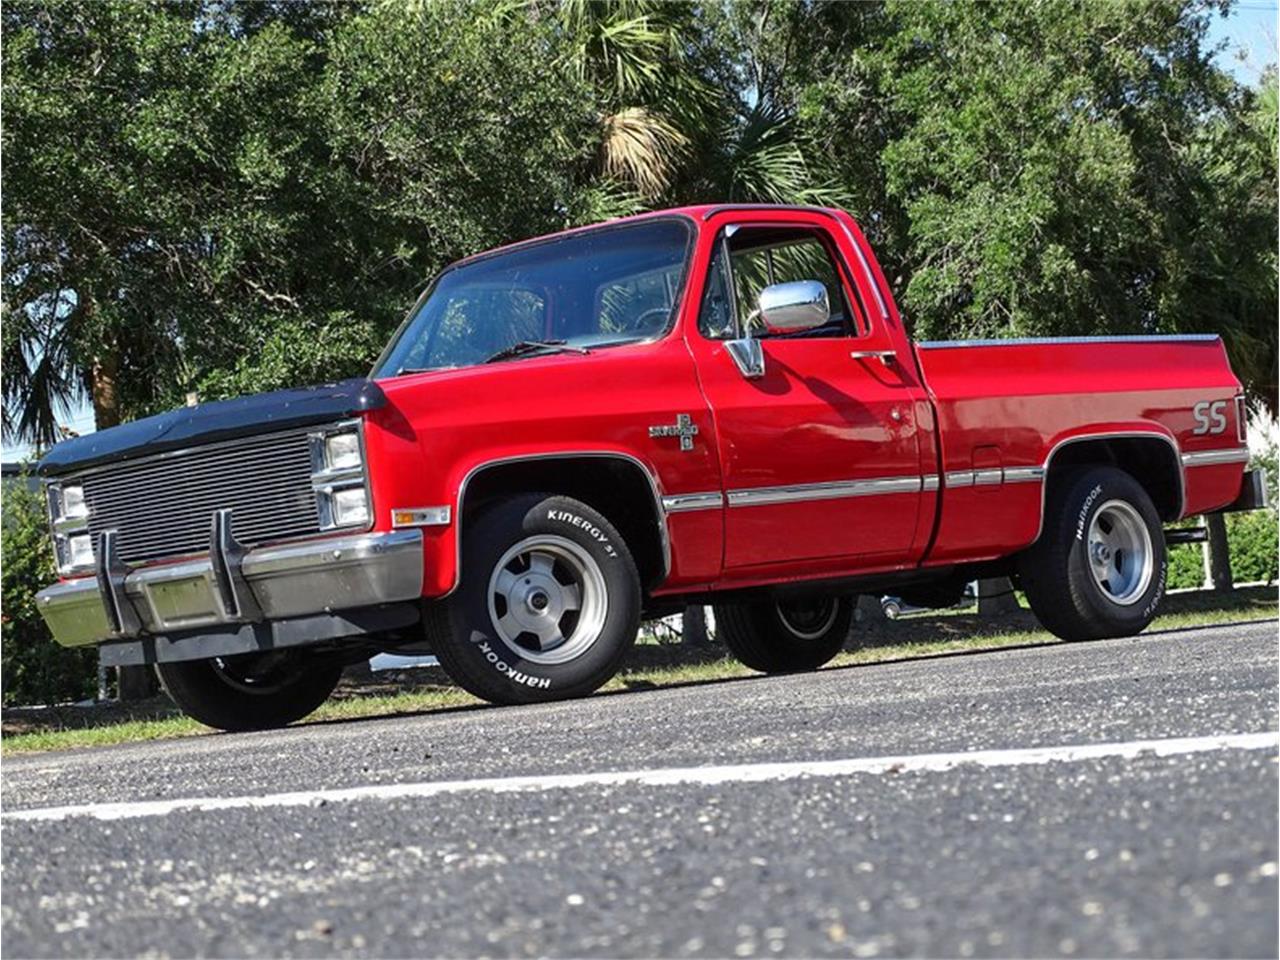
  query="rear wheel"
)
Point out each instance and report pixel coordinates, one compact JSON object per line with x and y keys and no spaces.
{"x":252,"y":691}
{"x":1098,"y":569}
{"x":548,"y":605}
{"x":786,"y":635}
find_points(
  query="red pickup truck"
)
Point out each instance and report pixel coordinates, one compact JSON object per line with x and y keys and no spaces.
{"x":715,"y":404}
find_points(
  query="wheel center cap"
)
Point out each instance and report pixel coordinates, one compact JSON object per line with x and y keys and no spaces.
{"x":1101,"y":552}
{"x":537,"y":601}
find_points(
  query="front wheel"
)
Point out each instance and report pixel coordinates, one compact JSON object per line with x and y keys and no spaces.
{"x":785,"y":636}
{"x":251,"y":691}
{"x":1099,"y":567}
{"x":548,"y":605}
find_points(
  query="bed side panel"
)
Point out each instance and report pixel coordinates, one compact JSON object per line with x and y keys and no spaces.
{"x":1002,"y":409}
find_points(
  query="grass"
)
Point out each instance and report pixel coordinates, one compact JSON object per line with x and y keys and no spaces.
{"x":651,"y":666}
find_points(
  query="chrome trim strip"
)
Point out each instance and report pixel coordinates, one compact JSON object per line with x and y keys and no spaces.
{"x":663,"y":534}
{"x":866,"y":268}
{"x":929,"y":482}
{"x":1209,"y":458}
{"x":685,"y":502}
{"x":1023,"y":474}
{"x":1038,"y":341}
{"x":835,"y":490}
{"x":990,"y":476}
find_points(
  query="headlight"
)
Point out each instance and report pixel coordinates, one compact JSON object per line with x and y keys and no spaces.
{"x":338,"y":477}
{"x":73,"y":504}
{"x":74,"y":552}
{"x":67,"y":503}
{"x":342,"y":451}
{"x":69,"y":513}
{"x":350,"y":507}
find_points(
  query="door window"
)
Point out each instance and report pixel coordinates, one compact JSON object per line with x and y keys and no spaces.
{"x":761,"y":256}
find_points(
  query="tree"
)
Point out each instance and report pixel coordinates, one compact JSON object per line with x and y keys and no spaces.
{"x":1050,"y":168}
{"x":233,"y":197}
{"x":161,"y":175}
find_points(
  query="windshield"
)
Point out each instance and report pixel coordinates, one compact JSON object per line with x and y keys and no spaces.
{"x":601,"y":287}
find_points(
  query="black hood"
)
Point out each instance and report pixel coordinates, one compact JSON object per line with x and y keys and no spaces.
{"x":210,"y":422}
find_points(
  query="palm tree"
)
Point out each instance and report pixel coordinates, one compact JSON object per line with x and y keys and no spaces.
{"x":688,"y":113}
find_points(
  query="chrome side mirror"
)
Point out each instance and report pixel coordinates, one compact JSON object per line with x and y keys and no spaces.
{"x":794,"y":306}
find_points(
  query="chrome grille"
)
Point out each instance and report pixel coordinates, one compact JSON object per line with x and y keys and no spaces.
{"x":163,"y":506}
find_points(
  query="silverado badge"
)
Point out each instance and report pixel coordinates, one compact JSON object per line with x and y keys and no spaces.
{"x":684,"y":428}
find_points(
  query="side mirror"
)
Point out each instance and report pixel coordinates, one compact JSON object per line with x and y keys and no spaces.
{"x":794,"y":306}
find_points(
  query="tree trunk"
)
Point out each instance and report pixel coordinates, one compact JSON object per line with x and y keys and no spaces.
{"x":694,"y":626}
{"x":995,"y":596}
{"x":1217,"y":554}
{"x":104,"y":386}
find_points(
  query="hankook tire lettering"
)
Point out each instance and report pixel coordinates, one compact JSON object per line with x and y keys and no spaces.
{"x":503,"y":667}
{"x":1084,"y":511}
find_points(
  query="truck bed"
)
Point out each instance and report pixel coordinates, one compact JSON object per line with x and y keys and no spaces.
{"x":1004,"y":409}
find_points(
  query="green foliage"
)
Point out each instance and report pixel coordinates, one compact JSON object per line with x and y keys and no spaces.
{"x":1186,"y":566}
{"x":34,"y":668}
{"x":226,"y":197}
{"x":1253,"y":546}
{"x":1048,"y":168}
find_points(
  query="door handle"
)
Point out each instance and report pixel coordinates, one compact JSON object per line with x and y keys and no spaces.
{"x":887,"y":357}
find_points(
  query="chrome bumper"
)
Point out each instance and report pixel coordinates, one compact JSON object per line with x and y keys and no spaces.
{"x":284,"y":581}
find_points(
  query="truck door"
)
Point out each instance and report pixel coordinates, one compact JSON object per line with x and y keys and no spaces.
{"x":819,"y":452}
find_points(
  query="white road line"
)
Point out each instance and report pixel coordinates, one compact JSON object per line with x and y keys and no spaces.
{"x":702,"y":776}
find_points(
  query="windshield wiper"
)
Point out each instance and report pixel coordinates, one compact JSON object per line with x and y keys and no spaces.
{"x":522,"y":347}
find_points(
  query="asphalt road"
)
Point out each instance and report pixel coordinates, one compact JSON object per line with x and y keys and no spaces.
{"x":1008,"y":853}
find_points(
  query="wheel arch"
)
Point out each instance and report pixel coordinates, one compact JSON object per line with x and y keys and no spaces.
{"x":1150,"y":457}
{"x":618,"y":485}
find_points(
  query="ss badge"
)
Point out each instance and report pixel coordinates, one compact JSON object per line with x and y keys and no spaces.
{"x":1209,"y":417}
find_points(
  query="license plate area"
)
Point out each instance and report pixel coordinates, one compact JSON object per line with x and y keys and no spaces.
{"x":183,"y":600}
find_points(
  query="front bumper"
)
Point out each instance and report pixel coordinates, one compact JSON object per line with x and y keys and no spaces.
{"x":286,"y":581}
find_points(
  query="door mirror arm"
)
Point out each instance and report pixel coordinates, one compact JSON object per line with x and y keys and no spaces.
{"x":748,"y":355}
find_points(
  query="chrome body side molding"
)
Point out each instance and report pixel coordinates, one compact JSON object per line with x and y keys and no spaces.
{"x":1209,"y":458}
{"x":835,"y":490}
{"x":685,"y":502}
{"x":1023,"y":474}
{"x":992,"y":476}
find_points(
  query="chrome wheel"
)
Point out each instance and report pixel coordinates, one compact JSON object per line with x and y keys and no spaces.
{"x":1121,"y":558}
{"x":808,"y":619}
{"x":547,"y":599}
